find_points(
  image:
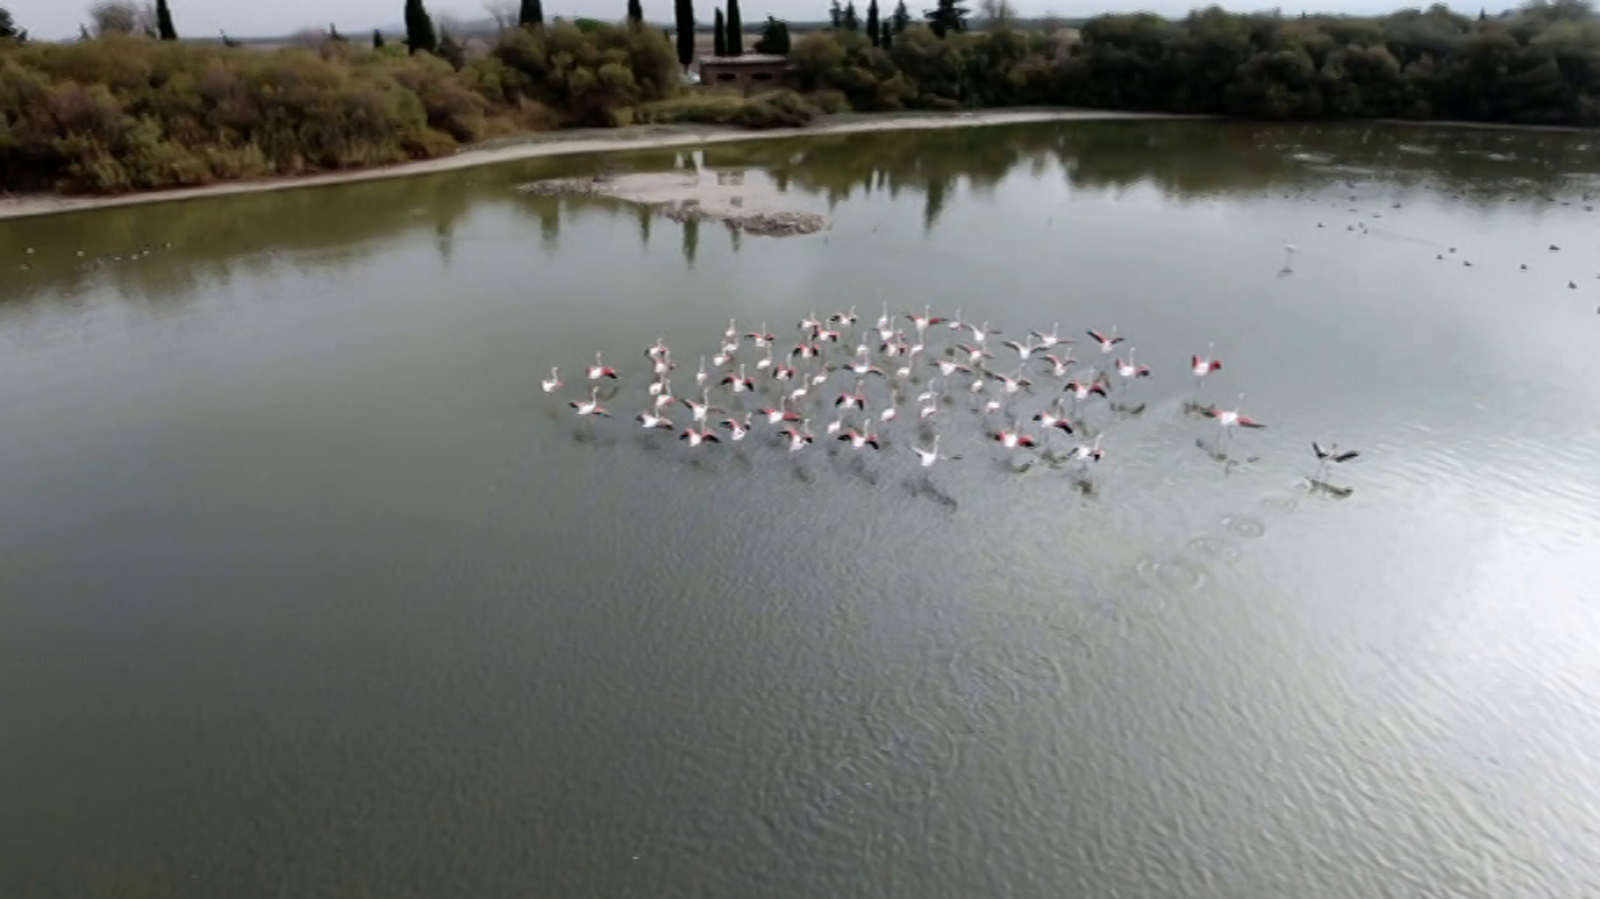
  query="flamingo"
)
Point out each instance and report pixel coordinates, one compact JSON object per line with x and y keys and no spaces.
{"x":860,"y":366}
{"x":1087,"y":452}
{"x":658,"y":349}
{"x":921,"y":322}
{"x":773,"y":416}
{"x":723,"y":356}
{"x":1081,"y":391}
{"x":1129,"y":370}
{"x":699,"y":408}
{"x":664,"y":364}
{"x":1228,"y":418}
{"x":650,"y":420}
{"x":740,"y":382}
{"x":1024,"y":349}
{"x":1201,"y":366}
{"x":948,"y":367}
{"x":552,"y":383}
{"x":1013,"y":439}
{"x":860,"y":439}
{"x":885,"y":322}
{"x":697,"y":437}
{"x":845,"y":319}
{"x":1106,"y":343}
{"x":1059,"y":365}
{"x":590,"y":406}
{"x":927,"y":457}
{"x":659,"y":386}
{"x":1331,"y":453}
{"x":761,"y":338}
{"x":1289,"y":250}
{"x":600,"y":370}
{"x":798,"y":437}
{"x":955,"y":323}
{"x":1049,"y":339}
{"x":811,"y":324}
{"x":766,"y":363}
{"x":732,"y":334}
{"x":701,"y":375}
{"x":738,"y":428}
{"x":857,"y":400}
{"x":1012,"y":384}
{"x":975,"y":354}
{"x":1054,"y":417}
{"x":980,"y":333}
{"x":805,"y":351}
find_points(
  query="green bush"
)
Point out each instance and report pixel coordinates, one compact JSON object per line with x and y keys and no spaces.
{"x":775,"y":109}
{"x":128,"y":113}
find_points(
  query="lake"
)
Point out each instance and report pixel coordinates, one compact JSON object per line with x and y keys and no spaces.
{"x":309,"y":590}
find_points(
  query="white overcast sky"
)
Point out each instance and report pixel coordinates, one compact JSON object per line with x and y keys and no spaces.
{"x":252,"y":18}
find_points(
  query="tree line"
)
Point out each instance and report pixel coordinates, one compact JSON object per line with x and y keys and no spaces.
{"x":1539,"y":64}
{"x":133,"y":107}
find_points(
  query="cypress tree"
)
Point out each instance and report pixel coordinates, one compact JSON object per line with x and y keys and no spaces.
{"x":685,"y":24}
{"x":886,"y":36}
{"x":733,"y":30}
{"x":901,"y":18}
{"x":635,"y":12}
{"x":377,"y":39}
{"x":852,"y":22}
{"x":872,"y":24}
{"x":948,"y":16}
{"x":718,"y":40}
{"x":164,"y":21}
{"x":420,"y":35}
{"x":835,"y":15}
{"x":530,"y":13}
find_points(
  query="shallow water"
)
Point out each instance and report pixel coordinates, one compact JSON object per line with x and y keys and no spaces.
{"x":308,"y":590}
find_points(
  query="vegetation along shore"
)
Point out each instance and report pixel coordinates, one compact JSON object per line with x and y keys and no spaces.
{"x":133,"y":106}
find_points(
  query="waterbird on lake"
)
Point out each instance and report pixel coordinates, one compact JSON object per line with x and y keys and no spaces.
{"x":1332,"y":453}
{"x":552,"y":383}
{"x":1128,"y":370}
{"x":1230,"y":418}
{"x":738,"y":427}
{"x":601,"y":370}
{"x":926,"y":457}
{"x":1049,"y":339}
{"x":860,"y":439}
{"x":1107,"y":344}
{"x":1087,"y":452}
{"x":1013,"y":439}
{"x":591,"y":406}
{"x":697,"y":437}
{"x":650,"y":420}
{"x":1200,"y":366}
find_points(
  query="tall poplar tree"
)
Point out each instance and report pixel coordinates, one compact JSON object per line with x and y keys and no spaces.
{"x":872,"y":23}
{"x":719,"y":40}
{"x":635,"y":12}
{"x":530,"y":13}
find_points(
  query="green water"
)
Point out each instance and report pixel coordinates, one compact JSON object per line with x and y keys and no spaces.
{"x":307,"y":589}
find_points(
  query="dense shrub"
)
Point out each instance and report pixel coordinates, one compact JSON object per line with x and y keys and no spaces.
{"x":128,"y":113}
{"x":775,"y":109}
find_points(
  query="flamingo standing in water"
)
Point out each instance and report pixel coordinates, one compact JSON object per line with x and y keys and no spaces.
{"x":701,"y":375}
{"x":600,"y":370}
{"x":590,"y":406}
{"x":552,"y":383}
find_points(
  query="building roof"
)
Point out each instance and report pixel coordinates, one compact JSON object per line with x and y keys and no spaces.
{"x":749,"y":59}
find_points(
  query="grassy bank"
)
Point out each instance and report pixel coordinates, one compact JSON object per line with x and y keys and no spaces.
{"x":127,"y":113}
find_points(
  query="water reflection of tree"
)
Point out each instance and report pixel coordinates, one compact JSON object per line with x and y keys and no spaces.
{"x":172,"y":252}
{"x":203,"y":244}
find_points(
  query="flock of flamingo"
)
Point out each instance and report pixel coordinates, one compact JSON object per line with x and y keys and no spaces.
{"x":860,"y":378}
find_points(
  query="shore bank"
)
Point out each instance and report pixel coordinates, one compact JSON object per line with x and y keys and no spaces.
{"x":561,"y":143}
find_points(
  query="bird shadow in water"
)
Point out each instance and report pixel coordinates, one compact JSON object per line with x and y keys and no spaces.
{"x":803,"y":474}
{"x":1331,"y":490}
{"x":923,"y":487}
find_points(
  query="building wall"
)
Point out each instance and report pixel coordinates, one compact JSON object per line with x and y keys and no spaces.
{"x":750,"y":79}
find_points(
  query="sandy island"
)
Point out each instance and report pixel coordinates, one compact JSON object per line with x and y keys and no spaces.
{"x":560,"y":143}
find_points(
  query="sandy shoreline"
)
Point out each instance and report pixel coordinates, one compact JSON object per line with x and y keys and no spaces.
{"x":566,"y":143}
